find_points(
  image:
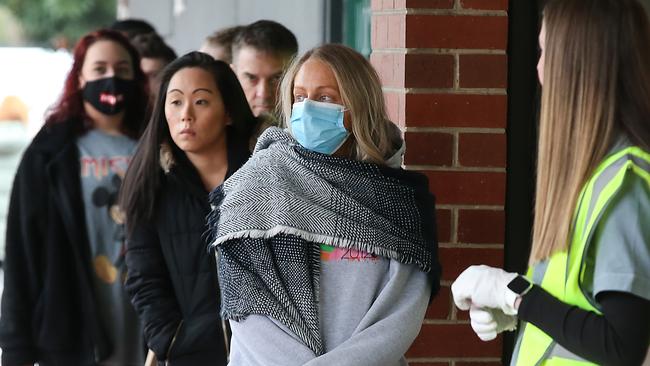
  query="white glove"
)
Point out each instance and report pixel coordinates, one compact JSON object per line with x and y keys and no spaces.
{"x":487,"y":323}
{"x":485,"y":287}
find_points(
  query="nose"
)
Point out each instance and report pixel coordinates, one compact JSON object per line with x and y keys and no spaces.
{"x":187,"y":113}
{"x":263,"y":90}
{"x":110,"y":72}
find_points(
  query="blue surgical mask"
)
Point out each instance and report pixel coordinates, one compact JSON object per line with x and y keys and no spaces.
{"x":318,"y":126}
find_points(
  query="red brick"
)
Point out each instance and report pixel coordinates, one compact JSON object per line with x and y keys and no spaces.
{"x":452,"y":340}
{"x":484,"y":4}
{"x":483,"y":71}
{"x":399,"y":68}
{"x":443,"y":223}
{"x":429,"y":148}
{"x":456,"y":110}
{"x":380,"y":37}
{"x":467,"y":188}
{"x":456,"y":260}
{"x":401,"y":103}
{"x":481,"y":226}
{"x":396,"y":32}
{"x":430,"y":4}
{"x":390,"y":67}
{"x":429,"y":71}
{"x":391,"y":105}
{"x":461,"y":31}
{"x":387,"y":4}
{"x":376,"y":60}
{"x":441,"y":304}
{"x":482,"y":149}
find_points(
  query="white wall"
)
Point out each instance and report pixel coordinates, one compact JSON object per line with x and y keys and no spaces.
{"x":186,"y":30}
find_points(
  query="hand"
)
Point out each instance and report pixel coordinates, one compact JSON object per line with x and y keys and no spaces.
{"x":487,"y":323}
{"x":485,"y":287}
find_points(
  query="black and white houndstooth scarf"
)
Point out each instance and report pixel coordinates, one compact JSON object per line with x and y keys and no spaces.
{"x":271,"y":216}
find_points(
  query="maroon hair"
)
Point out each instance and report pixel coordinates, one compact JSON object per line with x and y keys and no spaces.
{"x":70,"y":107}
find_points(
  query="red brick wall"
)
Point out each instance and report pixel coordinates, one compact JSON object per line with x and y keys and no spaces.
{"x":443,"y":65}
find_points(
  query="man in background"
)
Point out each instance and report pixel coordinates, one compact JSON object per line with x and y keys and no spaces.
{"x":155,"y":54}
{"x":260,"y":53}
{"x":219,"y":44}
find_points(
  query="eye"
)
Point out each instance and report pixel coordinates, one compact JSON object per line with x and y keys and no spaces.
{"x":201,"y":102}
{"x":123,"y":72}
{"x":298,"y":98}
{"x":100,"y":69}
{"x":325,"y":98}
{"x":175,"y":102}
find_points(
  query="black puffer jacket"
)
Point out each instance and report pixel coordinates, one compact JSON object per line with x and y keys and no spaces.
{"x":172,"y":277}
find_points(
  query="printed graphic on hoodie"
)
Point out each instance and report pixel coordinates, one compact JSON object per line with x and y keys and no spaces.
{"x":330,"y":253}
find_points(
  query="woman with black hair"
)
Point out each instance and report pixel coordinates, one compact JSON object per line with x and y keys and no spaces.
{"x":197,"y":137}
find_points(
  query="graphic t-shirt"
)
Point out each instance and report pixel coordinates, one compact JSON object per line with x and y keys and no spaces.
{"x":104,"y":159}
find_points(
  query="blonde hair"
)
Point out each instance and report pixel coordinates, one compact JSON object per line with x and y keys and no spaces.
{"x":595,"y":88}
{"x":374,"y":134}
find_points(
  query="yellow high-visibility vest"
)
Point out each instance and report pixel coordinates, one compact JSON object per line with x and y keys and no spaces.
{"x":563,"y":273}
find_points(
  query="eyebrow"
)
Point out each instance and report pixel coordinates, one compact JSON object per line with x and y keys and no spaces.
{"x":195,"y":91}
{"x":334,"y":88}
{"x":121,"y":62}
{"x":202,"y":89}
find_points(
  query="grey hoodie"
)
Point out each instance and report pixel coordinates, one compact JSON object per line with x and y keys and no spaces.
{"x":371,"y":309}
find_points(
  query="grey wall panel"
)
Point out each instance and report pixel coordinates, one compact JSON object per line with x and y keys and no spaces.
{"x":187,"y":30}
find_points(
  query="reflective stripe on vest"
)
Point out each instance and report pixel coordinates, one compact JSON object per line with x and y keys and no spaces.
{"x":562,"y":274}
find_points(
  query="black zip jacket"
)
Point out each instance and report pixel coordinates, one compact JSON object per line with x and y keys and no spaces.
{"x":172,"y":278}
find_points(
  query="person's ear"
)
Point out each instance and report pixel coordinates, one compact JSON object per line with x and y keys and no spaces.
{"x":82,"y":82}
{"x":233,"y":67}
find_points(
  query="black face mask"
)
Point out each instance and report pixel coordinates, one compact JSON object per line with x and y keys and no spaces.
{"x":109,"y":95}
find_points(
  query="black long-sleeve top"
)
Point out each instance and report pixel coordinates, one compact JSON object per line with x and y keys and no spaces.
{"x":620,"y":336}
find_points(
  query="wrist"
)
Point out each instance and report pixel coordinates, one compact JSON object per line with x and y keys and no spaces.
{"x":517,"y":303}
{"x":516,"y":289}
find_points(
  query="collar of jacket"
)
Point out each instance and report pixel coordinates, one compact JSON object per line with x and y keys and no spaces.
{"x":54,"y":137}
{"x":176,"y":166}
{"x":180,"y":171}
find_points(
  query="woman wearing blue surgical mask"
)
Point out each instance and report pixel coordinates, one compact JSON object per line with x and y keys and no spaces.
{"x":326,"y":248}
{"x":63,"y":301}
